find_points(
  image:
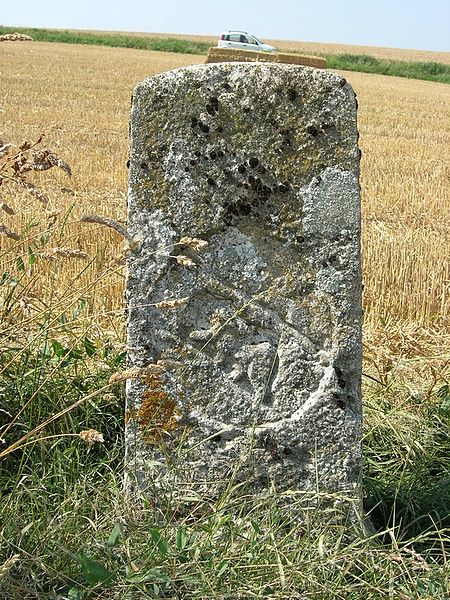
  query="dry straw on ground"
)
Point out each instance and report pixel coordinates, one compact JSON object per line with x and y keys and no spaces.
{"x":15,"y":37}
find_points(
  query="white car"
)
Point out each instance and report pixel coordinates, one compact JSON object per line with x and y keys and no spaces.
{"x":243,"y":41}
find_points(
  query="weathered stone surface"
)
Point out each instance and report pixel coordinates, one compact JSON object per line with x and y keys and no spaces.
{"x":259,"y":372}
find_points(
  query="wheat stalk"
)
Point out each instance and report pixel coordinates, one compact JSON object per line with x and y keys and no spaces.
{"x":7,"y":208}
{"x":171,"y":303}
{"x":8,"y":233}
{"x":64,"y":253}
{"x":195,"y":243}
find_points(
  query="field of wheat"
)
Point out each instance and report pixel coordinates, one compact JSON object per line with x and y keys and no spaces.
{"x":79,"y":97}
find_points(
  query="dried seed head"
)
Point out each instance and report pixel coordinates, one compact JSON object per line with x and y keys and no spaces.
{"x":52,"y":216}
{"x":185,"y":261}
{"x":153,"y":370}
{"x":195,"y":243}
{"x":171,"y":303}
{"x":42,"y":160}
{"x":4,"y":148}
{"x":25,"y":307}
{"x":56,"y":161}
{"x":8,"y":233}
{"x":32,"y":189}
{"x":65,"y":253}
{"x":26,"y":145}
{"x":109,"y":397}
{"x":91,"y":436}
{"x":7,"y":208}
{"x":67,"y":190}
{"x":8,"y":565}
{"x":133,"y":244}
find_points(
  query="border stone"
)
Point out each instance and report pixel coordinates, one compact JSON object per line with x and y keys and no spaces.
{"x":254,"y":373}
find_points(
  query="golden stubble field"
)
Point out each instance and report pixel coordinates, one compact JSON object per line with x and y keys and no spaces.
{"x":79,"y":96}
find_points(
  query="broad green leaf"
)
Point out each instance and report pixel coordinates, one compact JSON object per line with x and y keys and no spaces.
{"x":160,"y":542}
{"x":20,"y":264}
{"x":31,"y":256}
{"x":58,"y":349}
{"x":256,"y":527}
{"x":115,"y":536}
{"x":93,"y":571}
{"x":75,"y":354}
{"x":223,"y":566}
{"x":181,"y":538}
{"x":89,"y":347}
{"x":75,"y":594}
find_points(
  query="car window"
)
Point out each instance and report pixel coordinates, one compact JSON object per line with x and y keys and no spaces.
{"x":251,"y":40}
{"x":234,"y":37}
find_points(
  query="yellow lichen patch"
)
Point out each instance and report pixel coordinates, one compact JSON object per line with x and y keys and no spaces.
{"x":158,"y":414}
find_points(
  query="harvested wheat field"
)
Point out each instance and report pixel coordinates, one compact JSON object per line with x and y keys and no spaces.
{"x":79,"y":97}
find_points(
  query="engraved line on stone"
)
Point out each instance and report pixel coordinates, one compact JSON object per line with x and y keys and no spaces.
{"x":234,"y":315}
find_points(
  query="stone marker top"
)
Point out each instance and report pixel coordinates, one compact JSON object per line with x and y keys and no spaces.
{"x":306,"y":122}
{"x":262,"y":358}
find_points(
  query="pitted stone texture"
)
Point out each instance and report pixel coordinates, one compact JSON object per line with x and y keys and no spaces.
{"x":262,"y":379}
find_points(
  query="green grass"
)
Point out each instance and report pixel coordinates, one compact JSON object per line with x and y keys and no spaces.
{"x":430,"y":71}
{"x":113,"y":40}
{"x":75,"y":536}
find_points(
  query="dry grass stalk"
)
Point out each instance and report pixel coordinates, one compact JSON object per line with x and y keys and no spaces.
{"x":133,"y":244}
{"x":8,"y":233}
{"x":6,"y":567}
{"x":91,"y":436}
